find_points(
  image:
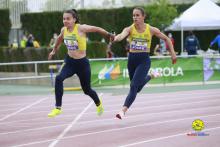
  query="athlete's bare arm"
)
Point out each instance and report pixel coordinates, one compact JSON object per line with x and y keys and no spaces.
{"x":88,"y":28}
{"x":122,"y":35}
{"x":159,"y":34}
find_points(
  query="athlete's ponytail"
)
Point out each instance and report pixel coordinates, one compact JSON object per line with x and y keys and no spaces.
{"x":74,"y":14}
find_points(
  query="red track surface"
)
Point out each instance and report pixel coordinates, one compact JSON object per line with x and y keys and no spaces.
{"x":154,"y":120}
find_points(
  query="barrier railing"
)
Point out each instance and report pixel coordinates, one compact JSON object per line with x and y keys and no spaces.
{"x":114,"y":71}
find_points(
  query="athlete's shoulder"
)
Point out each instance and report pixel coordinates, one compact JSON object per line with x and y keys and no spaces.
{"x":82,"y":26}
{"x":154,"y":30}
{"x":129,"y":28}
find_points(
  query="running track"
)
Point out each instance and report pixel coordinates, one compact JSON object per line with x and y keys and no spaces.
{"x":155,"y":120}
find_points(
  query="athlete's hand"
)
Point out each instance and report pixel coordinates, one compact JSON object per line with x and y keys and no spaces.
{"x":173,"y":58}
{"x":51,"y":54}
{"x":112,"y":36}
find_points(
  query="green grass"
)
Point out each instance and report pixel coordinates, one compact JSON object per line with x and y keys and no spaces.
{"x":45,"y":90}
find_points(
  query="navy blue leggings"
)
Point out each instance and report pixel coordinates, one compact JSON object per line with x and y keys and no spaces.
{"x":81,"y":67}
{"x":138,"y":67}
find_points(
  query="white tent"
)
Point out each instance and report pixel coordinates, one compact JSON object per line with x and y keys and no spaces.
{"x":203,"y":15}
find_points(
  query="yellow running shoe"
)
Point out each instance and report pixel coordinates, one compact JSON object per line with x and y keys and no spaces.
{"x":99,"y":109}
{"x":54,"y":112}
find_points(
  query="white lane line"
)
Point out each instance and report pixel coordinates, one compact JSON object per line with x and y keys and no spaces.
{"x":71,"y":125}
{"x":114,"y":110}
{"x":139,"y":101}
{"x":143,"y":97}
{"x":22,"y":109}
{"x":158,"y":97}
{"x":162,"y":138}
{"x":113,"y":130}
{"x":90,"y":123}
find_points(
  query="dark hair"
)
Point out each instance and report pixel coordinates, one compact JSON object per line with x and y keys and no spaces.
{"x":141,"y":9}
{"x":74,"y":14}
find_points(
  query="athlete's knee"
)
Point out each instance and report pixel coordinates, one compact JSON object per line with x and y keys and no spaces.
{"x":59,"y":78}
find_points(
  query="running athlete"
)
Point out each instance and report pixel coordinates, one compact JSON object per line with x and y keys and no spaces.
{"x":139,"y":37}
{"x":74,"y":36}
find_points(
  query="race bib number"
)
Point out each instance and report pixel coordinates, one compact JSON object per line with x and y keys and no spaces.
{"x":71,"y":44}
{"x":138,"y":45}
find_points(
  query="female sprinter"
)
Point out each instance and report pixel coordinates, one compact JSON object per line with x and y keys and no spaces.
{"x":139,"y":36}
{"x":74,"y":36}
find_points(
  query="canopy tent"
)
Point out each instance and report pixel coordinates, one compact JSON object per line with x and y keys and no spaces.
{"x":203,"y":15}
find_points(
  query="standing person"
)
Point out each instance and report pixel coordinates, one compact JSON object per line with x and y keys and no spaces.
{"x":170,"y":36}
{"x":191,"y":44}
{"x":140,"y":35}
{"x":30,"y":41}
{"x":109,"y":52}
{"x":74,"y":36}
{"x":53,"y":40}
{"x":216,"y":40}
{"x":23,"y":41}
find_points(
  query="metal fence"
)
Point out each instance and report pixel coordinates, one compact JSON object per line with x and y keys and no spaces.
{"x":194,"y":69}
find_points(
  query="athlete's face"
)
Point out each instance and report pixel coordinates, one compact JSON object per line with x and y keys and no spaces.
{"x":138,"y":17}
{"x":68,"y":20}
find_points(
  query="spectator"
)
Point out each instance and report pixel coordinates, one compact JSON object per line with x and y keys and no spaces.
{"x":53,"y":40}
{"x":191,"y":44}
{"x":15,"y":44}
{"x":216,"y":40}
{"x":36,"y":44}
{"x":162,"y":46}
{"x":109,"y":53}
{"x":170,"y":36}
{"x":30,"y":41}
{"x":157,"y":50}
{"x":23,"y":42}
{"x":160,"y":49}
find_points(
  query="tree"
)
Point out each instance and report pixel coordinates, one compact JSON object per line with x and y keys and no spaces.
{"x":161,"y":13}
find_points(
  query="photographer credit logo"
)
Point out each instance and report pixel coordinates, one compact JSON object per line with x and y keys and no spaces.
{"x":198,"y":125}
